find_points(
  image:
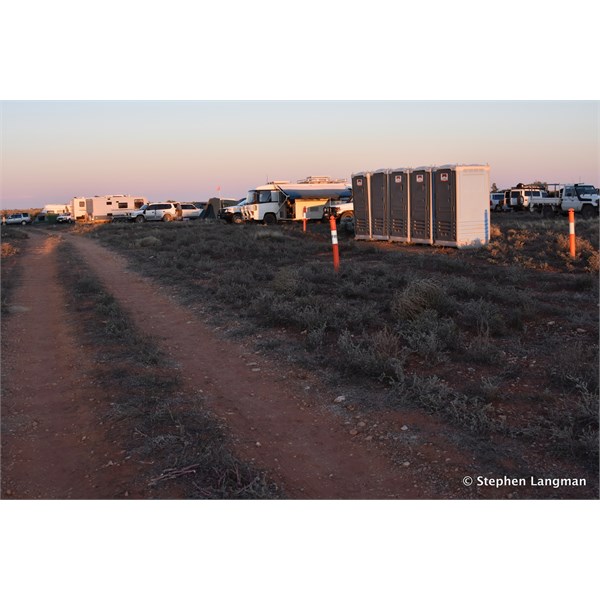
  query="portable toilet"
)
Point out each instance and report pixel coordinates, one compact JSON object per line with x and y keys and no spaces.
{"x":461,"y":205}
{"x":399,"y":204}
{"x":379,"y":205}
{"x":361,"y":192}
{"x":421,"y":231}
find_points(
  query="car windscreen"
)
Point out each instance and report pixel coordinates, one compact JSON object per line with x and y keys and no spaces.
{"x":251,"y":198}
{"x":586,"y":189}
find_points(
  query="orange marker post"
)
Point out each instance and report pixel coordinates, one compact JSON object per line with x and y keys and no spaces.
{"x":572,"y":232}
{"x":304,"y":219}
{"x":334,"y":243}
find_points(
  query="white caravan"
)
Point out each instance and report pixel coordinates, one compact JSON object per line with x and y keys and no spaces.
{"x":107,"y":208}
{"x":286,"y":201}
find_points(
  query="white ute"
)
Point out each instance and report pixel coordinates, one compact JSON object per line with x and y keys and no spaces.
{"x":583,"y":198}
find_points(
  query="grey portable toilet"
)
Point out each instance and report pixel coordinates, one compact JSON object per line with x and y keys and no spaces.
{"x":444,"y":206}
{"x":461,"y":205}
{"x":361,"y":191}
{"x":399,"y":204}
{"x":379,"y":205}
{"x":420,"y":206}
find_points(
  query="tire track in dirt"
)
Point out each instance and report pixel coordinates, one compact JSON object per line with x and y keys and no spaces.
{"x":52,"y":446}
{"x":272,"y":421}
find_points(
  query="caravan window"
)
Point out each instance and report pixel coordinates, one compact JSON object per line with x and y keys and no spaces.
{"x":123,"y":205}
{"x":264,"y":196}
{"x":278,"y":197}
{"x":82,"y":204}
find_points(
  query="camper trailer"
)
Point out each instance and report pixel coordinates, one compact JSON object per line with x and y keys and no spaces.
{"x":107,"y":208}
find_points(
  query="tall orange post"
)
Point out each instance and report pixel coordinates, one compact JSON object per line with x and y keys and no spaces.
{"x":334,"y":243}
{"x":572,"y":232}
{"x":304,"y":219}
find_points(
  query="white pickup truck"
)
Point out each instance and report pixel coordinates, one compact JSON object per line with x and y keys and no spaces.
{"x":342,"y":211}
{"x":581,"y":197}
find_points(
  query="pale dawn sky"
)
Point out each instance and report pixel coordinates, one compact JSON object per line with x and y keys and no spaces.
{"x":187,"y":150}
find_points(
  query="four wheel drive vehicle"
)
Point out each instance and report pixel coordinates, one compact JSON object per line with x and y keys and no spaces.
{"x":521,"y":197}
{"x":158,"y":211}
{"x":214,"y":206}
{"x":581,"y":197}
{"x":497,"y":201}
{"x":190,"y":211}
{"x":65,"y":218}
{"x":342,"y":211}
{"x":233,"y":213}
{"x":18,"y":219}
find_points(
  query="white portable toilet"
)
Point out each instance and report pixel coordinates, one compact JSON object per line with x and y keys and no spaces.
{"x":461,"y":205}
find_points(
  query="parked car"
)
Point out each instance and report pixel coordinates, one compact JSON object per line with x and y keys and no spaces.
{"x":497,"y":200}
{"x":190,"y":211}
{"x":18,"y":219}
{"x":65,"y":218}
{"x":520,"y":198}
{"x":201,"y":206}
{"x":157,"y":211}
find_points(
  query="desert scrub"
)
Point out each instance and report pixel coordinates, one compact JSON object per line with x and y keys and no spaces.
{"x":376,"y":354}
{"x":9,"y":249}
{"x":576,"y":368}
{"x":586,"y":254}
{"x":571,"y":426}
{"x":542,"y":244}
{"x":437,"y":397}
{"x":420,"y":295}
{"x":12,"y":240}
{"x":482,"y":316}
{"x":430,"y":336}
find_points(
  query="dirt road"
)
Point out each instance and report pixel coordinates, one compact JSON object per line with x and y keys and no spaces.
{"x":51,"y":447}
{"x":54,"y":447}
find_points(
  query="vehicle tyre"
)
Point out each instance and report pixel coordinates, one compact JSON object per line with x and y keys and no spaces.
{"x":587,"y":211}
{"x":347,"y":219}
{"x":166,"y":218}
{"x":270,"y":219}
{"x":140,"y":219}
{"x":237,"y":218}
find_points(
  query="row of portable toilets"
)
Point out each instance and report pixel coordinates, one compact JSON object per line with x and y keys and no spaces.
{"x":447,"y":206}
